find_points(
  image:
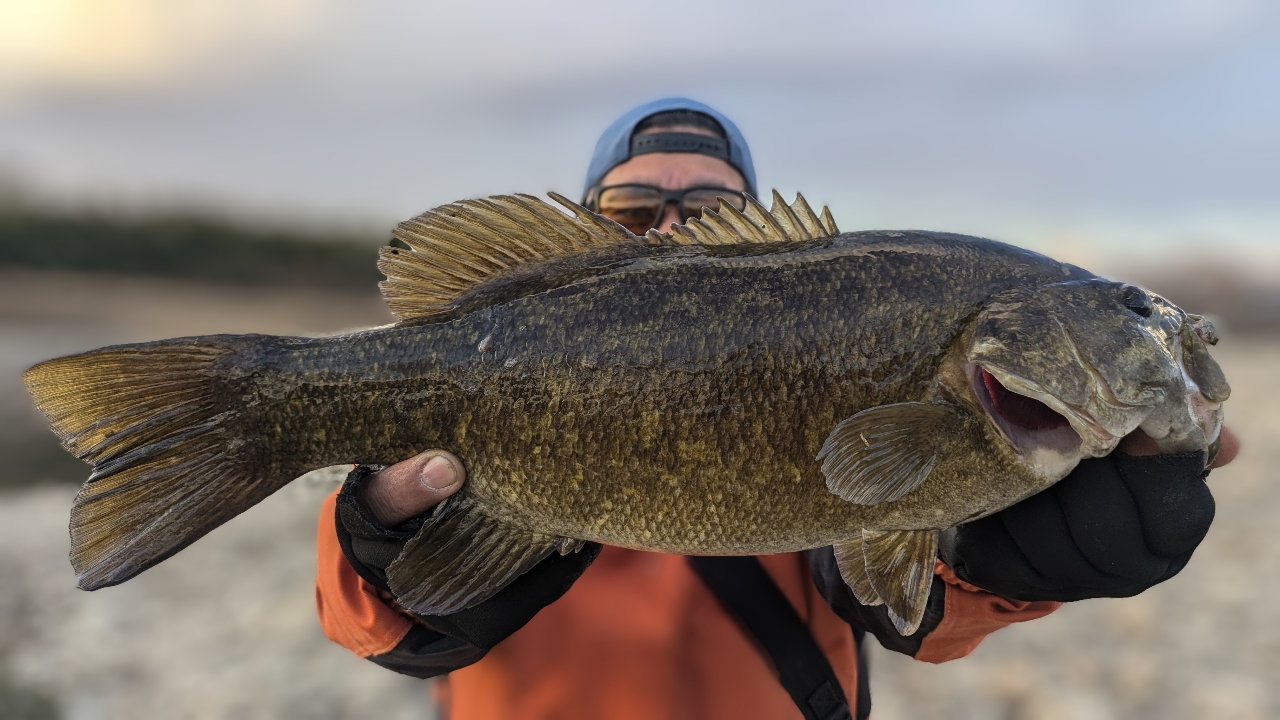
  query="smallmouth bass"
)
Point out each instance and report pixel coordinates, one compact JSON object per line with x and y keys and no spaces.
{"x":755,"y":382}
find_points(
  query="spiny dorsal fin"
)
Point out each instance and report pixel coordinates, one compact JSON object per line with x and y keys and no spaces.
{"x":753,"y":224}
{"x":457,"y":247}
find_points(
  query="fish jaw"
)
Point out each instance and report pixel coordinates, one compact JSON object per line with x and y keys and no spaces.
{"x":1193,"y":419}
{"x":1201,"y":432}
{"x":1050,"y":449}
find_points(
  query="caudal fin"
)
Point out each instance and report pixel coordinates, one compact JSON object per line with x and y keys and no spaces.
{"x":165,"y":466}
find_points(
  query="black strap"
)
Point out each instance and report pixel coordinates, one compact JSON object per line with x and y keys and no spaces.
{"x":864,"y":677}
{"x":744,"y":589}
{"x":679,"y":142}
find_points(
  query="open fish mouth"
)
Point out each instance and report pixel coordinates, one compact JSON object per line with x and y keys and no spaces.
{"x":1048,"y":436}
{"x":1019,"y":411}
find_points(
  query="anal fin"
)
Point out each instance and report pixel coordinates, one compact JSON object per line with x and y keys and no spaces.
{"x":853,"y":569}
{"x":899,"y":568}
{"x":462,"y":557}
{"x":565,"y":545}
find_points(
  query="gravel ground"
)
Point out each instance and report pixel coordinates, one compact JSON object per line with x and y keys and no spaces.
{"x":228,"y":630}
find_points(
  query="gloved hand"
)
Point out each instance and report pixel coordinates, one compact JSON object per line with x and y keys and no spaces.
{"x":1114,"y":527}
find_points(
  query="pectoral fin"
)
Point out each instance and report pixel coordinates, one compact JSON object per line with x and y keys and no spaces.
{"x":853,"y":568}
{"x":899,"y":568}
{"x":461,"y":557}
{"x":883,"y":453}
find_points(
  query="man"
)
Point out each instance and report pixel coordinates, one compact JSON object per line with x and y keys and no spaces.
{"x":643,"y":635}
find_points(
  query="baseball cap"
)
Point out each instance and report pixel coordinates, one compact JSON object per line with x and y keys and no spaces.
{"x":616,"y":145}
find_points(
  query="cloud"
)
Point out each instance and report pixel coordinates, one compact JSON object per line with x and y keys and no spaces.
{"x":115,"y":44}
{"x":359,"y":47}
{"x":1130,"y":123}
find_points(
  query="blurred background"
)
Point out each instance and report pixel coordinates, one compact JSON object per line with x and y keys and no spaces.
{"x":174,"y":167}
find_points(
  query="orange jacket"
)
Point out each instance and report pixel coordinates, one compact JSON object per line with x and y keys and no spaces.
{"x":639,"y":636}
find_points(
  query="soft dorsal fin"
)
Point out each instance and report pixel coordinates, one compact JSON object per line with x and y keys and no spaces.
{"x":457,"y":247}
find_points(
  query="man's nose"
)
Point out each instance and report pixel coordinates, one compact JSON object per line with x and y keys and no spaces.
{"x":670,"y":216}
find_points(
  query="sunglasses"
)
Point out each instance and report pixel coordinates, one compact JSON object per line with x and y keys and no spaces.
{"x":639,"y":207}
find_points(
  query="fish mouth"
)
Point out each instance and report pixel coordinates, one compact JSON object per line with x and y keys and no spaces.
{"x":1047,"y":436}
{"x":1019,"y":411}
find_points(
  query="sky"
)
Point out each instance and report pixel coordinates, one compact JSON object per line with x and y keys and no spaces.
{"x":1105,"y":133}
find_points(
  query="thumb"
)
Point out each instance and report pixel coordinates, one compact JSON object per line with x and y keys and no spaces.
{"x":412,"y":487}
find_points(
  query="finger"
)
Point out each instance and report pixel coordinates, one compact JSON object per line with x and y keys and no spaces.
{"x":1228,"y":447}
{"x":411,"y":488}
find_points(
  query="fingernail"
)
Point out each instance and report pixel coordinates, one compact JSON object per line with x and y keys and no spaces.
{"x":439,"y":473}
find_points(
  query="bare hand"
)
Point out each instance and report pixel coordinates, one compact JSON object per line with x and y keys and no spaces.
{"x":412,"y":487}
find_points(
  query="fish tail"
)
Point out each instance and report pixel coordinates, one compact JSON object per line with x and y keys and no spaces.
{"x":168,"y":462}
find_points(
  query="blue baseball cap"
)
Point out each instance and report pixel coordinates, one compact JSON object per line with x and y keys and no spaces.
{"x":615,"y":146}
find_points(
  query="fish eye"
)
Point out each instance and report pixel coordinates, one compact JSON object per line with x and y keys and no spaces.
{"x":1137,"y":300}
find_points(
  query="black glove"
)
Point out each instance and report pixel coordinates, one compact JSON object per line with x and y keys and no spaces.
{"x":1114,"y":527}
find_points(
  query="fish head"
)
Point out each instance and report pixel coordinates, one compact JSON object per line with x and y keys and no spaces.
{"x":1064,"y":371}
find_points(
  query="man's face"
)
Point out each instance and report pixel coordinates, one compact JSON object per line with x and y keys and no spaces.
{"x":676,"y":171}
